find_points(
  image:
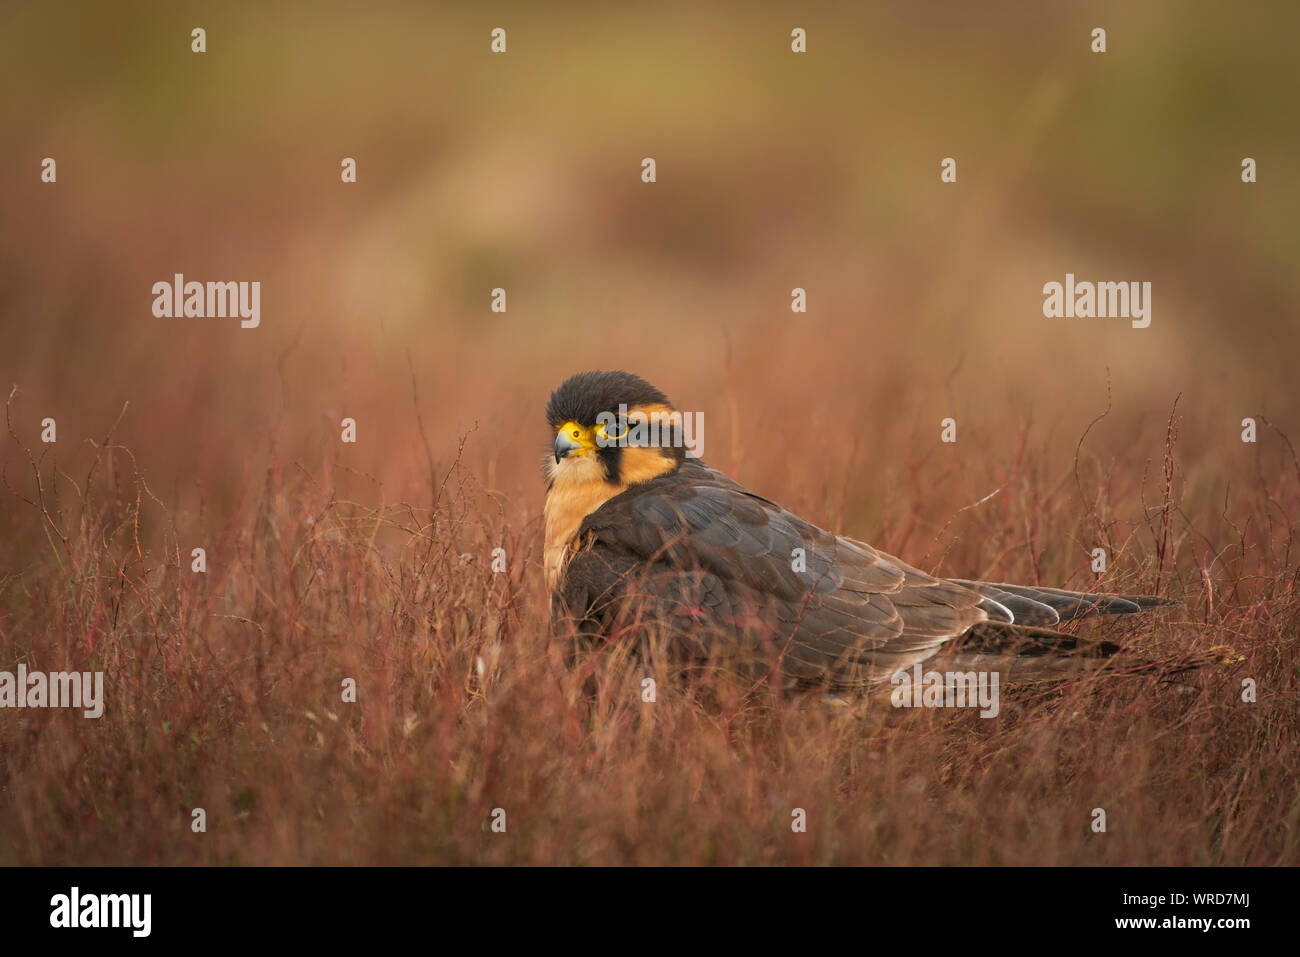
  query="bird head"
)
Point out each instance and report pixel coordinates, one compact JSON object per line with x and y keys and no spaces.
{"x":611,"y":427}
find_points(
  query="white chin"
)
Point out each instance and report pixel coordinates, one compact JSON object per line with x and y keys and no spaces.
{"x":575,"y":469}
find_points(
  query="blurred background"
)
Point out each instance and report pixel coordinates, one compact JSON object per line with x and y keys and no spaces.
{"x":522,"y":171}
{"x":775,"y":170}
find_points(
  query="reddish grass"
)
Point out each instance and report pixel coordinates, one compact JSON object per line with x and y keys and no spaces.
{"x":223,"y":689}
{"x":522,"y":172}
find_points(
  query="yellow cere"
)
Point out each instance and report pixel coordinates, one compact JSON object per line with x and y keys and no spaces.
{"x":580,"y":434}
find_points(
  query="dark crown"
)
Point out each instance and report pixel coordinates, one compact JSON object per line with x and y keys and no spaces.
{"x":581,"y":398}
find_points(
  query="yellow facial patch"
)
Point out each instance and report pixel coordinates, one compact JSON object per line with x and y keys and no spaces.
{"x":581,"y":440}
{"x":578,"y":435}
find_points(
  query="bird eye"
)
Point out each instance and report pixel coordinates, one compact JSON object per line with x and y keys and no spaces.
{"x":577,"y":434}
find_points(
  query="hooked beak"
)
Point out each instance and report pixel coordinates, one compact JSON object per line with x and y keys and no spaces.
{"x":565,"y":444}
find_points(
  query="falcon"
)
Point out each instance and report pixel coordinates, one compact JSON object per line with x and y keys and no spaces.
{"x":641,"y":538}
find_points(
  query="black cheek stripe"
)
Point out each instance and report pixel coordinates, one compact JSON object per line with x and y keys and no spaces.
{"x":609,"y":458}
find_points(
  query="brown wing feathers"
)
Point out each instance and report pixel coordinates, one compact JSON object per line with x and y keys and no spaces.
{"x":697,"y":552}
